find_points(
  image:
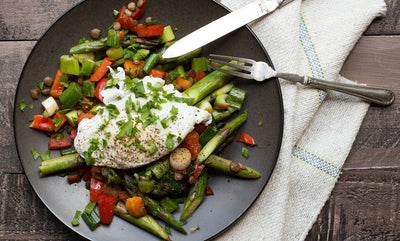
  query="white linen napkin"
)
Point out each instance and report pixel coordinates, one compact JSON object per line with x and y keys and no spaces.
{"x":311,"y":37}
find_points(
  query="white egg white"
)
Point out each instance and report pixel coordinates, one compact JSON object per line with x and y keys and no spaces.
{"x":124,"y":153}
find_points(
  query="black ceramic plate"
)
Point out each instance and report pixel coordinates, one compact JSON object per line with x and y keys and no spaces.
{"x":232,"y":197}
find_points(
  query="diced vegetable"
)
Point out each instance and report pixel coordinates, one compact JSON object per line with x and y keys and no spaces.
{"x":180,"y":158}
{"x":92,"y":219}
{"x":167,"y":35}
{"x":71,"y":96}
{"x":50,"y":105}
{"x":59,"y":143}
{"x":69,"y":65}
{"x":72,"y":117}
{"x":101,"y":70}
{"x":192,"y":143}
{"x":113,"y":39}
{"x":57,"y":88}
{"x":58,"y":119}
{"x":96,"y":187}
{"x":149,"y":31}
{"x":106,"y":203}
{"x":61,"y":163}
{"x":247,"y":139}
{"x":42,"y":123}
{"x":87,"y":67}
{"x":135,"y":206}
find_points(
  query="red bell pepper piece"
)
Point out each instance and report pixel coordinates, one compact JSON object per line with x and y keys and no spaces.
{"x":61,"y":143}
{"x":209,"y":191}
{"x":57,"y":88}
{"x":106,"y":204}
{"x":58,"y":119}
{"x":99,"y":88}
{"x":123,"y":195}
{"x":196,"y":75}
{"x":198,"y":168}
{"x":74,"y":131}
{"x":72,"y":178}
{"x":42,"y":123}
{"x":121,"y":12}
{"x":157,"y":73}
{"x":132,"y":67}
{"x":127,"y":23}
{"x":96,"y":187}
{"x":84,"y":116}
{"x":183,"y":83}
{"x":149,"y":31}
{"x":200,"y":128}
{"x":192,"y":143}
{"x":101,"y":70}
{"x":247,"y":139}
{"x":88,"y":103}
{"x":138,"y":13}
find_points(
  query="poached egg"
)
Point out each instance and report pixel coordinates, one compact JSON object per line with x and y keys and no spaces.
{"x":140,"y":122}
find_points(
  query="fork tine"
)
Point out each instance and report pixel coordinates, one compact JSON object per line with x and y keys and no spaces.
{"x":229,"y":58}
{"x":232,"y":72}
{"x":241,"y":67}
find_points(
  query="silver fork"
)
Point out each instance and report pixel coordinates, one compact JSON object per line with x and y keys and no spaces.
{"x":261,"y":71}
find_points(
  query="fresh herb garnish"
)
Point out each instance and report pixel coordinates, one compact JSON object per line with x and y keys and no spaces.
{"x":35,"y":154}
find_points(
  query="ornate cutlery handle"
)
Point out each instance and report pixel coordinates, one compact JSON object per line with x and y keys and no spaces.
{"x":377,"y":95}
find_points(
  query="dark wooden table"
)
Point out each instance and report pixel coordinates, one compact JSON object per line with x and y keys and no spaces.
{"x":364,"y":205}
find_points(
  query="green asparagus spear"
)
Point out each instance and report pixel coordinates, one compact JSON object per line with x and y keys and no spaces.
{"x":231,"y":167}
{"x":145,"y":222}
{"x":151,"y":205}
{"x":86,"y":47}
{"x":220,"y":137}
{"x":61,"y":163}
{"x":208,"y":84}
{"x":195,"y":196}
{"x":159,"y":211}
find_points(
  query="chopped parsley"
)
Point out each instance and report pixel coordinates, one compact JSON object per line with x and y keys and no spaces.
{"x":45,"y":156}
{"x":245,"y":152}
{"x":35,"y":154}
{"x":260,"y":123}
{"x":169,"y":142}
{"x":64,"y":80}
{"x":22,"y":105}
{"x":174,"y":110}
{"x":112,"y":110}
{"x":152,"y":148}
{"x":40,"y":85}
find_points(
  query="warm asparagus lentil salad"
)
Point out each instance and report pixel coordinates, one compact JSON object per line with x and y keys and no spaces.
{"x":141,"y":131}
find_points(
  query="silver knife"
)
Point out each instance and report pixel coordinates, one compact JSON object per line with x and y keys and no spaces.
{"x":222,"y":26}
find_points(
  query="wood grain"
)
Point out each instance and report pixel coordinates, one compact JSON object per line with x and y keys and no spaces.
{"x":364,"y":204}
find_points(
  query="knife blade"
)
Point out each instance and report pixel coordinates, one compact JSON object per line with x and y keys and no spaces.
{"x":222,"y":26}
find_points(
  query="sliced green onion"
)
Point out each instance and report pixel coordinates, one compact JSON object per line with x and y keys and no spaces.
{"x":45,"y":156}
{"x":69,"y":65}
{"x":87,"y":67}
{"x":35,"y":154}
{"x":245,"y":152}
{"x":201,"y":64}
{"x":75,"y":220}
{"x":67,"y":151}
{"x":167,"y":35}
{"x":92,"y":219}
{"x":113,"y":38}
{"x":152,"y":148}
{"x":88,"y":88}
{"x":71,"y":96}
{"x":90,"y":207}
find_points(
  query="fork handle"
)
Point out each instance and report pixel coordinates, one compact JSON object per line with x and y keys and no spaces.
{"x":377,"y":95}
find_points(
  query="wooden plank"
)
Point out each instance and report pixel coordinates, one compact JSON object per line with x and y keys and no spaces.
{"x":389,"y":24}
{"x":12,"y":58}
{"x":24,"y":217}
{"x":364,"y":206}
{"x":18,"y":22}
